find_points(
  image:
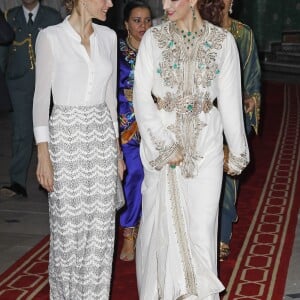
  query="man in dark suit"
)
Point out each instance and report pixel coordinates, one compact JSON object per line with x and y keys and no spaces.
{"x":6,"y":37}
{"x":26,"y":21}
{"x":6,"y":32}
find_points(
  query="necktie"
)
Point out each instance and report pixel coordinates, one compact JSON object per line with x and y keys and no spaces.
{"x":30,"y":20}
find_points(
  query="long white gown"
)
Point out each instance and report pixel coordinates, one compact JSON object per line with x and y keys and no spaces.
{"x":175,"y":86}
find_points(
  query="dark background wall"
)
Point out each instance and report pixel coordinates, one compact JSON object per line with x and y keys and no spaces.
{"x":268,"y":18}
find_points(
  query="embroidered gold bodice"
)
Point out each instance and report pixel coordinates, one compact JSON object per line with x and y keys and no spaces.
{"x":188,"y":72}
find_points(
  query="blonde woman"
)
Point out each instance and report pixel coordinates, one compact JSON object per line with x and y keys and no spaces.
{"x":78,"y":148}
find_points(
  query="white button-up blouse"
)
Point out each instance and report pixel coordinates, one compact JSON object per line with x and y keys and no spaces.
{"x":75,"y":78}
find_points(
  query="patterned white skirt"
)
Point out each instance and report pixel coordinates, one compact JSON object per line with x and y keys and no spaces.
{"x":82,"y":207}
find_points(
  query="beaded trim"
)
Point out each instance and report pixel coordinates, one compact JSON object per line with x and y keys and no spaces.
{"x":190,"y":104}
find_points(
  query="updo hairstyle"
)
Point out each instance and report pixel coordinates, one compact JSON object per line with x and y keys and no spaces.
{"x":70,"y":4}
{"x":211,"y":10}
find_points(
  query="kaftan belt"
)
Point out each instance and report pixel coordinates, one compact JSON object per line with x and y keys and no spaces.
{"x":185,"y":105}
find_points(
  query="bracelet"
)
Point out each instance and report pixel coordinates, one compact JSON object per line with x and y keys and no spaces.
{"x":120,"y":155}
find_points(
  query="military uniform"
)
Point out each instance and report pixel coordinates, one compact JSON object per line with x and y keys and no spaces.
{"x":6,"y":37}
{"x":20,"y":76}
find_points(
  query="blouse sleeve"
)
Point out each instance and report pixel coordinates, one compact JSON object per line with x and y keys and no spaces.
{"x":111,"y":91}
{"x":230,"y":105}
{"x":42,"y":93}
{"x":157,"y":144}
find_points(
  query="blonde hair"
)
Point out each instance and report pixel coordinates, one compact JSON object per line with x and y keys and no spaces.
{"x":70,"y":4}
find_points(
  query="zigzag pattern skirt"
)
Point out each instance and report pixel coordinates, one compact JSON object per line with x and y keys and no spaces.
{"x":82,"y":207}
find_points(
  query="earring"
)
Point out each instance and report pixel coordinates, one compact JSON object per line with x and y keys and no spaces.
{"x":230,"y":9}
{"x":193,"y":11}
{"x":83,"y":3}
{"x":128,"y":34}
{"x":165,"y":16}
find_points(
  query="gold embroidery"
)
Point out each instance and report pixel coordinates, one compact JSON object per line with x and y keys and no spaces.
{"x":188,"y":105}
{"x":188,"y":72}
{"x":165,"y":152}
{"x":30,"y":50}
{"x":257,"y":99}
{"x":181,"y":234}
{"x":188,"y":126}
{"x":237,"y":163}
{"x":175,"y":57}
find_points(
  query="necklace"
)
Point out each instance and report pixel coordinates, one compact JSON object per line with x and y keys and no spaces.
{"x":130,"y":45}
{"x":189,"y":36}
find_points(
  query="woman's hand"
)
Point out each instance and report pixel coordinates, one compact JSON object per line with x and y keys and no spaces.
{"x":249,"y":105}
{"x":121,"y":167}
{"x":175,"y":159}
{"x":44,"y":171}
{"x":121,"y":163}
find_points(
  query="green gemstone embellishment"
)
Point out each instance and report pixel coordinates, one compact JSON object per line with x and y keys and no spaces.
{"x":207,"y":45}
{"x":190,"y":107}
{"x":172,"y":166}
{"x":171,"y":44}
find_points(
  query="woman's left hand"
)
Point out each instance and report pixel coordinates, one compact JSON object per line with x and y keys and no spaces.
{"x":249,"y":105}
{"x":121,"y":168}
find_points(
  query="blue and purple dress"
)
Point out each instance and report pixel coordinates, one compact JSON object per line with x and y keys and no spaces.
{"x":130,"y":138}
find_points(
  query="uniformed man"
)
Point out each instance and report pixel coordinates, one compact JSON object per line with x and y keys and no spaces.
{"x":6,"y":37}
{"x":26,"y":20}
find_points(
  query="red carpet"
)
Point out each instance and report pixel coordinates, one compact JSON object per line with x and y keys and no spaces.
{"x":263,"y":237}
{"x":267,"y":205}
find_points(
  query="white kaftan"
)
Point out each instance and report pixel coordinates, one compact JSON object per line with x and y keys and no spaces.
{"x":175,"y":86}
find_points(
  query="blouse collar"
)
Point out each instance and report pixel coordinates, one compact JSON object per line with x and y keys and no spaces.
{"x":72,"y":31}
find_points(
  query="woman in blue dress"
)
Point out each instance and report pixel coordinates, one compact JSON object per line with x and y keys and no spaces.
{"x":137,"y":19}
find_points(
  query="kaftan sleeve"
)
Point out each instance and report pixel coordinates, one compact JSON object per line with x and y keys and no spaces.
{"x":157,"y":144}
{"x":111,"y":91}
{"x":231,"y":108}
{"x":42,"y":93}
{"x":251,"y":76}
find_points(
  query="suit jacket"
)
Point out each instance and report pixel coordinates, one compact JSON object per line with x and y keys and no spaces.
{"x":6,"y":32}
{"x":6,"y":37}
{"x":21,"y":56}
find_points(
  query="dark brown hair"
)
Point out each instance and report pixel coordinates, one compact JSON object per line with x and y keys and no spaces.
{"x":130,"y":6}
{"x":211,"y":10}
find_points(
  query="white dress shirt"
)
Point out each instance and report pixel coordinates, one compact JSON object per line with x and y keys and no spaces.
{"x":64,"y":67}
{"x":34,"y":12}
